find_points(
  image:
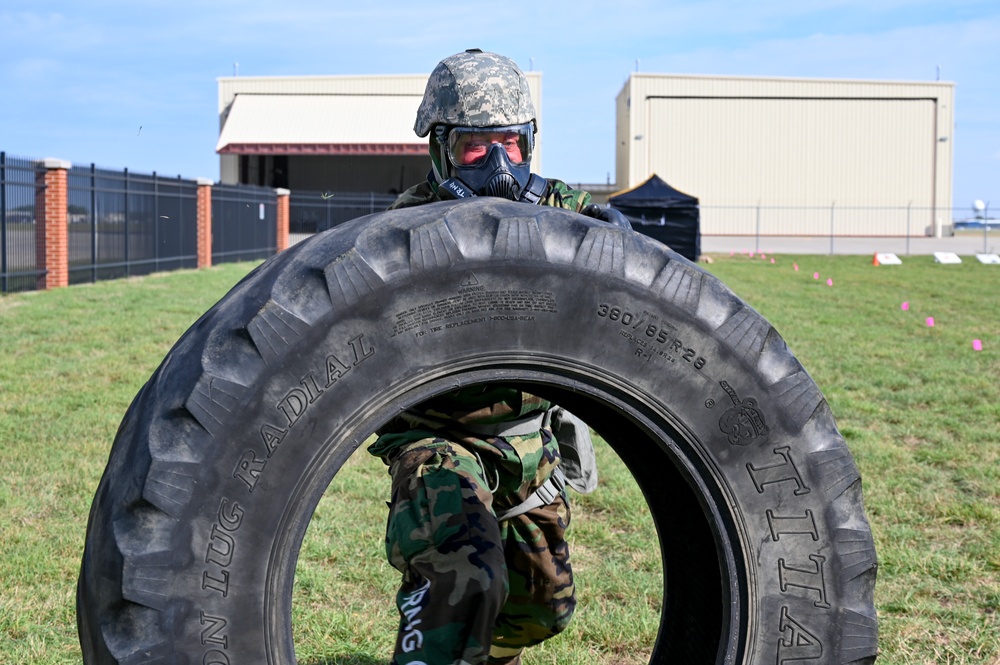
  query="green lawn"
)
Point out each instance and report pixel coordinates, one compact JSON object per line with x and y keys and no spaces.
{"x":919,"y":407}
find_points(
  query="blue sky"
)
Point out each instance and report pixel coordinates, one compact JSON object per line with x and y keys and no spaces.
{"x":79,"y":79}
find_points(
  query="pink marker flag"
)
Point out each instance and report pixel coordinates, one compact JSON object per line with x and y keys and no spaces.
{"x":796,"y":266}
{"x":829,"y":282}
{"x":977,"y":345}
{"x":905,"y":306}
{"x":930,"y":321}
{"x":815,"y":275}
{"x":772,"y":260}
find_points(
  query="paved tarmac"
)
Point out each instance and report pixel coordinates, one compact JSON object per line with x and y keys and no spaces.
{"x":966,"y":243}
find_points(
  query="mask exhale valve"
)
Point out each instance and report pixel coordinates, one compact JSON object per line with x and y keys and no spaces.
{"x":495,"y":175}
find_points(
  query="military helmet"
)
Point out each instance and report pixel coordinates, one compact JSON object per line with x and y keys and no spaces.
{"x":475,"y":89}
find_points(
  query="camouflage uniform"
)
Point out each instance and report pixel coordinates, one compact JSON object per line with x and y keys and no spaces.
{"x":560,"y":195}
{"x":469,"y":581}
{"x":475,"y":589}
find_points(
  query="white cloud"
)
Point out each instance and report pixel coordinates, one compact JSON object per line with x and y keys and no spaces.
{"x":155,"y":61}
{"x":31,"y":70}
{"x":904,"y":53}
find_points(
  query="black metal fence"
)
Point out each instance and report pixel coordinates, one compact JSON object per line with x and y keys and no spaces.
{"x":19,"y":186}
{"x":123,"y":224}
{"x":244,"y":223}
{"x":312,"y":212}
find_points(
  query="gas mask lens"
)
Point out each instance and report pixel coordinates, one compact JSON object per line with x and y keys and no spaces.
{"x":469,"y":146}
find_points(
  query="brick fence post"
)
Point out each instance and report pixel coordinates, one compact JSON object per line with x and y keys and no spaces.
{"x":52,"y":223}
{"x":204,"y":223}
{"x":283,"y":216}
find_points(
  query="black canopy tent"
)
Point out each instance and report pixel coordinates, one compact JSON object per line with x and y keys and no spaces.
{"x":659,"y":211}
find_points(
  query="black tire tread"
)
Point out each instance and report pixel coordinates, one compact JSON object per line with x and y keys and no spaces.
{"x":199,"y":388}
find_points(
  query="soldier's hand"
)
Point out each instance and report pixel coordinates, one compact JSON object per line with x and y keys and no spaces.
{"x":609,"y":215}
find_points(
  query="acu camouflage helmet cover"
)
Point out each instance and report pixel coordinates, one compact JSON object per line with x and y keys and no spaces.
{"x":475,"y":89}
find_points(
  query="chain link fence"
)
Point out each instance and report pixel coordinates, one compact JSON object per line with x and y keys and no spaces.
{"x":828,"y":229}
{"x":122,"y":223}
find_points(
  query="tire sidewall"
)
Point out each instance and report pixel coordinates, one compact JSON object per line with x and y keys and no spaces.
{"x":322,"y":412}
{"x":300,"y":363}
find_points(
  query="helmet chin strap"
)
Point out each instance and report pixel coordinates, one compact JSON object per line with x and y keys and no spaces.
{"x":441,"y":163}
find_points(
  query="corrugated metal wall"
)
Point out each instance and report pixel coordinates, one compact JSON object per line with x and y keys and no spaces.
{"x":810,"y":156}
{"x":231,"y":86}
{"x":406,"y":84}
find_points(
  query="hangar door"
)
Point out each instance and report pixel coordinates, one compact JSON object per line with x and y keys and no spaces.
{"x":799,"y":165}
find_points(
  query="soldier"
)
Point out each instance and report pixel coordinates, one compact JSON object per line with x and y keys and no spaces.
{"x":465,"y":94}
{"x":478,"y":511}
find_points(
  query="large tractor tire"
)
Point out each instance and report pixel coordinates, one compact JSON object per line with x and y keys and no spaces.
{"x":223,"y":456}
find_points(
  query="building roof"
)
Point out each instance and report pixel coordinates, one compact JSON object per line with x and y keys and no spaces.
{"x":321,"y":124}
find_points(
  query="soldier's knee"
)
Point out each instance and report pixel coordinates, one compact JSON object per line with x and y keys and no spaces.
{"x":562,"y":619}
{"x":561,"y":608}
{"x":474,"y":577}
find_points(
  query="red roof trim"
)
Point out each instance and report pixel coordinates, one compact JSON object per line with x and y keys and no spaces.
{"x":324,"y":149}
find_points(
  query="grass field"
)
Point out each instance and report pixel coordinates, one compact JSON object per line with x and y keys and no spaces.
{"x":918,"y":405}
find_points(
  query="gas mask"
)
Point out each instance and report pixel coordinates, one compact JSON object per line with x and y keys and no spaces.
{"x":493,"y":161}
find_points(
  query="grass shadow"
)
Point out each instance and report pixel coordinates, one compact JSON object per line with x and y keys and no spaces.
{"x":348,"y":659}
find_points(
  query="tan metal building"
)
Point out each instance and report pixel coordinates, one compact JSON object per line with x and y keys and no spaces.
{"x":328,"y":133}
{"x":784,"y":156}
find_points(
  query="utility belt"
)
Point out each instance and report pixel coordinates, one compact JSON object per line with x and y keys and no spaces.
{"x":578,"y":467}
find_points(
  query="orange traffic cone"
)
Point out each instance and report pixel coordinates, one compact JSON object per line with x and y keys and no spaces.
{"x":875,"y":260}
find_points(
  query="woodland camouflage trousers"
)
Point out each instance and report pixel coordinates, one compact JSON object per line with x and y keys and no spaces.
{"x":474,"y":590}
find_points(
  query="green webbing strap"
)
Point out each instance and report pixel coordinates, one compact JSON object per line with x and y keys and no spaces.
{"x":523,"y":427}
{"x":577,"y":447}
{"x":542,"y":496}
